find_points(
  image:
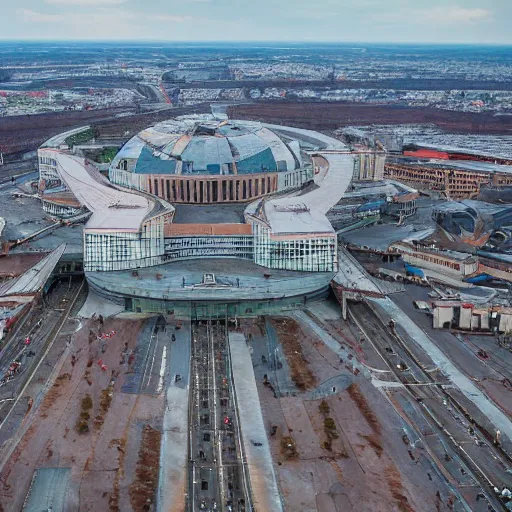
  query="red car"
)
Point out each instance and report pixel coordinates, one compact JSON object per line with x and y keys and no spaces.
{"x":482,"y":354}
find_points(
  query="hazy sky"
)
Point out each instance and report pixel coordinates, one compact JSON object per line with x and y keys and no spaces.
{"x":462,"y":21}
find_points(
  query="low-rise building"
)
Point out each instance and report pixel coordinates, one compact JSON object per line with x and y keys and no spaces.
{"x":449,"y":178}
{"x":454,"y":264}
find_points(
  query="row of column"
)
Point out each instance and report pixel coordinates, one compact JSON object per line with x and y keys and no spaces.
{"x":212,"y":190}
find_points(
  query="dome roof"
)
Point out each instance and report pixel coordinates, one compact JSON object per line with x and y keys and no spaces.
{"x":192,"y":145}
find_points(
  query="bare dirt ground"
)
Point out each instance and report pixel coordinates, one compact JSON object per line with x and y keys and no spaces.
{"x":329,"y":116}
{"x":15,"y":264}
{"x":290,"y":336}
{"x":113,"y":457}
{"x":27,"y":132}
{"x":345,"y":451}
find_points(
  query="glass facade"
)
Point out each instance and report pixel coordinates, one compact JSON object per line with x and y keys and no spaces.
{"x":104,"y":251}
{"x":115,"y":249}
{"x":294,"y":179}
{"x":202,"y":310}
{"x":240,"y":246}
{"x":210,"y":189}
{"x":56,"y":210}
{"x":48,"y":170}
{"x":315,"y":254}
{"x":127,"y":179}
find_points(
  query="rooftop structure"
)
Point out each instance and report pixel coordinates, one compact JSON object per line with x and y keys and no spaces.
{"x":18,"y":293}
{"x":476,"y":223}
{"x":286,"y":234}
{"x":111,"y":208}
{"x":192,"y":146}
{"x":126,"y":228}
{"x":201,"y":160}
{"x":33,"y":279}
{"x":306,"y":213}
{"x":449,"y":152}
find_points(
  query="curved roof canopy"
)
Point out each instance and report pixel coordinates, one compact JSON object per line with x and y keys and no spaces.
{"x":192,"y":145}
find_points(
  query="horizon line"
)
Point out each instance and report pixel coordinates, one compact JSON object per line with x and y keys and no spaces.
{"x":253,"y":41}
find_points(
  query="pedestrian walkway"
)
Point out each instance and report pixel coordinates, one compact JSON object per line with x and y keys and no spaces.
{"x":172,"y":480}
{"x":265,"y":494}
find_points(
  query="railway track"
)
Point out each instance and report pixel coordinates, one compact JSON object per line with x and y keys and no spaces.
{"x":464,"y":440}
{"x":39,"y":326}
{"x":25,"y":378}
{"x":493,"y":363}
{"x":216,"y":476}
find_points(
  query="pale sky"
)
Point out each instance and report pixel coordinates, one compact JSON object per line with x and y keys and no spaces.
{"x":436,"y":21}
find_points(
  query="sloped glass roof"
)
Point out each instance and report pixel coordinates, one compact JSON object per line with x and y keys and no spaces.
{"x":207,"y":146}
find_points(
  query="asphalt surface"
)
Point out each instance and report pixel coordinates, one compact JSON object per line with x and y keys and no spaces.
{"x":461,"y":449}
{"x":460,"y":353}
{"x":209,"y":214}
{"x":24,"y":216}
{"x":48,"y":491}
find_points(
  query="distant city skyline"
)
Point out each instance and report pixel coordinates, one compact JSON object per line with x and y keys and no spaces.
{"x":369,"y":21}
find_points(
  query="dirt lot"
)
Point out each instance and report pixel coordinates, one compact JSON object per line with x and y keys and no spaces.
{"x":345,"y":451}
{"x":27,"y":133}
{"x":290,"y":336}
{"x":14,"y":265}
{"x":329,"y":116}
{"x":107,"y":438}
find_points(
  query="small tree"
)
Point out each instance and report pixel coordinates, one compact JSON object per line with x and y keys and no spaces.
{"x":324,"y":407}
{"x":86,"y":402}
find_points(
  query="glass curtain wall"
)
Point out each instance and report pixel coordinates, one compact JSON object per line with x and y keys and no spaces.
{"x":209,"y":247}
{"x":127,"y":179}
{"x":317,"y":254}
{"x":125,"y":250}
{"x":48,"y":170}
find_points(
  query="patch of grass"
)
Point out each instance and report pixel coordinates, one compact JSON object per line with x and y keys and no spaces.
{"x":394,"y":481}
{"x":375,"y":443}
{"x":106,"y":400}
{"x":81,"y":137}
{"x":330,"y":430}
{"x":329,"y":424}
{"x":142,"y":490}
{"x":291,"y":335}
{"x":107,"y":155}
{"x":82,"y":426}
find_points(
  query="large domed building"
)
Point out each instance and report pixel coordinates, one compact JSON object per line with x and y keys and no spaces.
{"x":198,"y":160}
{"x":206,"y":216}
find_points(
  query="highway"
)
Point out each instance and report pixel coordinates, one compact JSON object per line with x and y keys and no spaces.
{"x":216,"y":476}
{"x":468,"y":457}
